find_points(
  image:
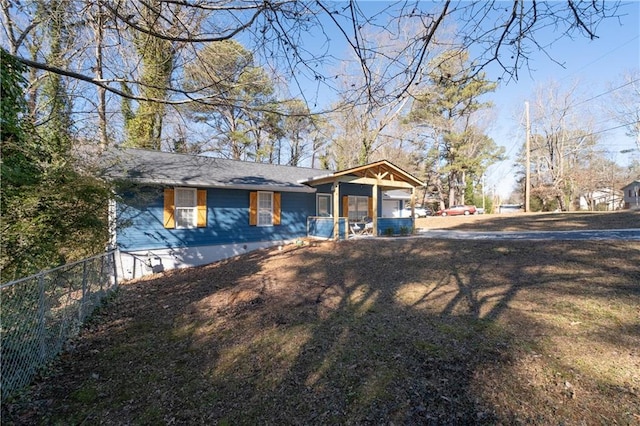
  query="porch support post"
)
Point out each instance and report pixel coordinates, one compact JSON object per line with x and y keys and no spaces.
{"x":336,"y":210}
{"x":374,"y":197}
{"x":413,"y":212}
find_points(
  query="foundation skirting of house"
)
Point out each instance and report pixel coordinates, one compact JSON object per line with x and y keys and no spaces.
{"x":138,"y":263}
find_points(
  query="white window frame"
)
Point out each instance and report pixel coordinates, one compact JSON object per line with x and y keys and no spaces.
{"x":329,"y":205}
{"x":357,"y":215}
{"x":192,"y":206}
{"x":265,"y":214}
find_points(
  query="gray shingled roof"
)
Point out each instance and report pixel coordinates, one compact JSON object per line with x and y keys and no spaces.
{"x":163,"y":168}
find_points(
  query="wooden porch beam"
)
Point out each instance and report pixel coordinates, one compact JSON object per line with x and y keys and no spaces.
{"x":383,"y":175}
{"x":370,"y":181}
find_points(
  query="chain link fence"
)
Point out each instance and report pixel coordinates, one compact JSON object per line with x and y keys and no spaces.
{"x":41,"y":312}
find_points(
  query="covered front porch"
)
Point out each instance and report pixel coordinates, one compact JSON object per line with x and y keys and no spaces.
{"x":323,"y":227}
{"x":356,"y":198}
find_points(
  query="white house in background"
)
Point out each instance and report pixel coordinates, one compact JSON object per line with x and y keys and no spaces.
{"x":632,"y":195}
{"x":393,"y":201}
{"x":602,"y":199}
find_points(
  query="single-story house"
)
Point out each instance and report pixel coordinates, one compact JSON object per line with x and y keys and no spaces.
{"x":631,"y":193}
{"x":605,"y":199}
{"x":178,"y":210}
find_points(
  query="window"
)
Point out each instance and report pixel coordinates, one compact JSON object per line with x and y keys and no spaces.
{"x":265,"y":208}
{"x":391,"y":208}
{"x":358,"y":208}
{"x":186,"y":210}
{"x":323,"y":205}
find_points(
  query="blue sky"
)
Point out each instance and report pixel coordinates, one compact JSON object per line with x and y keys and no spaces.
{"x":595,"y":64}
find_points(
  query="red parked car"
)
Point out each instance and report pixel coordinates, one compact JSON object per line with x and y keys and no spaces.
{"x":457,"y":210}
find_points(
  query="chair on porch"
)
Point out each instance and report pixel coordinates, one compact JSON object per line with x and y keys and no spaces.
{"x":363,"y":227}
{"x":368,"y":225}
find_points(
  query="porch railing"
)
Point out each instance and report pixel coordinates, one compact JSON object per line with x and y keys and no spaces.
{"x":322,"y":227}
{"x":395,"y":226}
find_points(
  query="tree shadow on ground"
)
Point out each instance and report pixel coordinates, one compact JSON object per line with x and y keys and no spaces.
{"x":372,"y":331}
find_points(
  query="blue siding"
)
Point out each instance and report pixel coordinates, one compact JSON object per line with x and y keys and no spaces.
{"x":355,"y":189}
{"x":322,"y":227}
{"x":360,"y":190}
{"x":325,"y":188}
{"x":350,"y":189}
{"x":395,"y":224}
{"x":227,"y":220}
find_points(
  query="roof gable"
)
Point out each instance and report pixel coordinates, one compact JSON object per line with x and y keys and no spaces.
{"x":632,"y":184}
{"x":383,"y":172}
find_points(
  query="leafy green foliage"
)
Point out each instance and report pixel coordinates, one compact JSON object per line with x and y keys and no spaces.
{"x":14,"y":128}
{"x":51,"y":213}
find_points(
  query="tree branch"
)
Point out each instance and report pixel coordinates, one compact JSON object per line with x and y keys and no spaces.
{"x":128,"y":21}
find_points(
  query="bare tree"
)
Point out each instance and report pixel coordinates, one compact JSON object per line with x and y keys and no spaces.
{"x":597,"y":178}
{"x":298,"y":126}
{"x":365,"y":125}
{"x":138,"y":50}
{"x":563,"y":138}
{"x":504,"y":33}
{"x":97,"y":25}
{"x":624,"y":103}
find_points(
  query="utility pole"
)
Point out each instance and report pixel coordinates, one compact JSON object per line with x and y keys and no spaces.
{"x":483,"y":210}
{"x":527,"y":167}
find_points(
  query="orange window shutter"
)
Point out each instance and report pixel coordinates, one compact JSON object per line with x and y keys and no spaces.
{"x":345,"y":206}
{"x":202,"y":208}
{"x":169,"y":219}
{"x":277,"y":207}
{"x":370,"y":207}
{"x":253,"y":208}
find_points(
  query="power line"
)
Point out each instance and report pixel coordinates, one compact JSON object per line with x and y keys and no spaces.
{"x":582,"y":136}
{"x":605,"y":93}
{"x":620,"y":46}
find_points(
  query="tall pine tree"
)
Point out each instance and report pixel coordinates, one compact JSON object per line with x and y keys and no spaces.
{"x":447,"y":108}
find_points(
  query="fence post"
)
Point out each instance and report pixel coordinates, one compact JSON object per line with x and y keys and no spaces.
{"x":40,"y":332}
{"x":42,"y":346}
{"x":104,"y":261}
{"x":84,"y":292}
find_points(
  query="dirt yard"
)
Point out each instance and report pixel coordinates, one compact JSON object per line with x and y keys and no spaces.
{"x":373,"y":331}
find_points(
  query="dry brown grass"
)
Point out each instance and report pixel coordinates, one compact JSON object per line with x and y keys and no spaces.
{"x":376,"y":331}
{"x":535,"y":221}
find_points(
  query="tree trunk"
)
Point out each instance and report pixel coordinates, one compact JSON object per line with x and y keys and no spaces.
{"x":102,"y":100}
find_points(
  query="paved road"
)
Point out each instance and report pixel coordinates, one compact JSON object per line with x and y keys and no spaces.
{"x":604,"y":234}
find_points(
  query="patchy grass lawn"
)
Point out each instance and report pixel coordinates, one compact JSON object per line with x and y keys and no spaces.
{"x":375,"y":331}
